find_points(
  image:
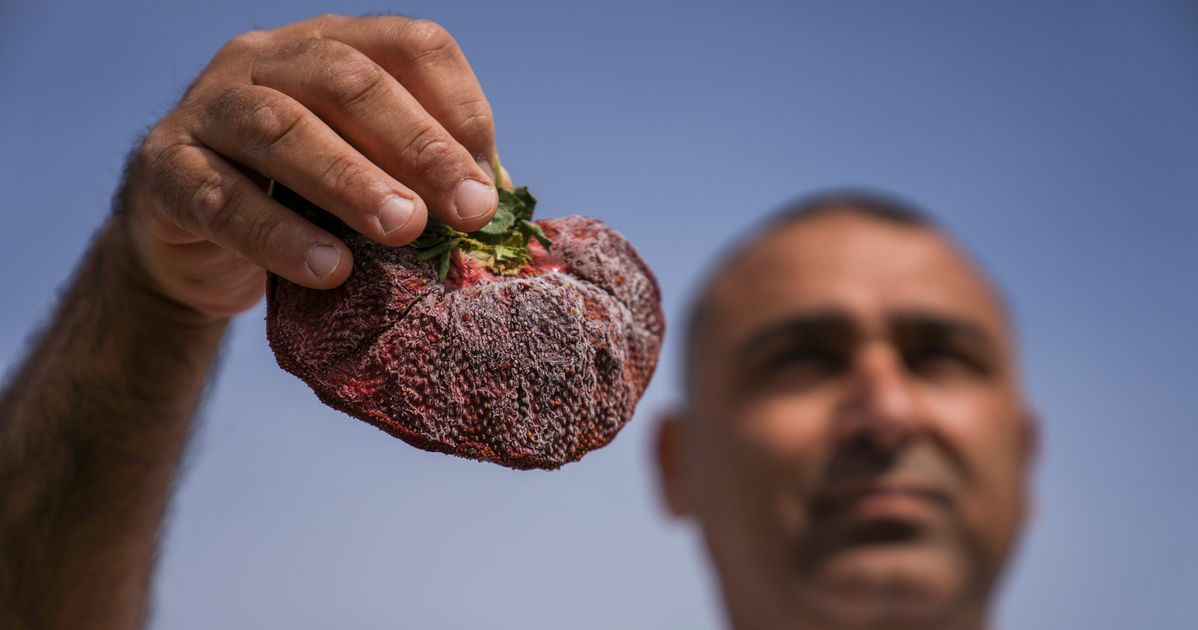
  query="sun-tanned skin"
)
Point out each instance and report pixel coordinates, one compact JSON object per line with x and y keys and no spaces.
{"x":854,"y":444}
{"x":93,"y":422}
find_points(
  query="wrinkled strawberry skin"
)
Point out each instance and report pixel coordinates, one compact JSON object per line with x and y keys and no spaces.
{"x":528,"y":371}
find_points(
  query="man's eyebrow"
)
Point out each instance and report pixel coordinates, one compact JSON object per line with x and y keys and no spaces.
{"x":827,"y":322}
{"x":943,"y":326}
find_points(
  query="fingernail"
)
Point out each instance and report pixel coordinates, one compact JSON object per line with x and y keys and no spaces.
{"x":395,"y":213}
{"x":486,"y":167}
{"x":323,"y":260}
{"x":473,"y":199}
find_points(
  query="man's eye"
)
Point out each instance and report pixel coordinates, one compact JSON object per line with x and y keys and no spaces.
{"x":935,"y":362}
{"x":801,"y":365}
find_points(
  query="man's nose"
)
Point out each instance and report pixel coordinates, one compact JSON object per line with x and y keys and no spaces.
{"x":880,"y":408}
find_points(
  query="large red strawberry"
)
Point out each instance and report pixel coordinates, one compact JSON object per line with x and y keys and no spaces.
{"x":526,"y":344}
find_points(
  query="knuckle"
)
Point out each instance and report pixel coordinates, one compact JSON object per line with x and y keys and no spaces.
{"x":477,"y":121}
{"x":248,"y":41}
{"x":305,"y":47}
{"x":214,"y":202}
{"x":264,"y":235}
{"x":324,"y":20}
{"x":262,"y":118}
{"x":270,"y":122}
{"x":226,"y":103}
{"x":344,"y":75}
{"x":342,"y":174}
{"x":353,"y":78}
{"x":428,"y":149}
{"x":167,"y":174}
{"x":428,"y":41}
{"x":155,"y":150}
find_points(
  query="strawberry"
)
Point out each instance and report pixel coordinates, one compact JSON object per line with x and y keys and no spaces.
{"x":525,"y":343}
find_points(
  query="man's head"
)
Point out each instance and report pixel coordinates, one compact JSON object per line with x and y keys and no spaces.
{"x":854,"y":441}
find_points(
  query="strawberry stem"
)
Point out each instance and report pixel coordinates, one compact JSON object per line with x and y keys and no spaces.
{"x":501,"y":245}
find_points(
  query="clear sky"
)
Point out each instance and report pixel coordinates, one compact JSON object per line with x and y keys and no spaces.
{"x":1059,"y":140}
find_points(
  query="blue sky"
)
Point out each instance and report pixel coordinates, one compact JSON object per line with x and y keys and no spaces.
{"x":1059,"y":140}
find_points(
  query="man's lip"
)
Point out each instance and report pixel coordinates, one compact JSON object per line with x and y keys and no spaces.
{"x":893,"y":501}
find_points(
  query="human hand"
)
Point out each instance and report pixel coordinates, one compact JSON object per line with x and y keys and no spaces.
{"x":378,"y":120}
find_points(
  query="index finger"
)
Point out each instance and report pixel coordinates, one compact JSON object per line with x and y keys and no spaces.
{"x":426,"y":60}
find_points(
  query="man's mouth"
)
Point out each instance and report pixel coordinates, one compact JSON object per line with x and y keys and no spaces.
{"x":891,"y":502}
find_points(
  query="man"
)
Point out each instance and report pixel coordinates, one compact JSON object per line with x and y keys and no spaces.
{"x":853,"y":442}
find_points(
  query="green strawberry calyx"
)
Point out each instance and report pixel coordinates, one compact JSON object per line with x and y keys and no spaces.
{"x":501,"y":245}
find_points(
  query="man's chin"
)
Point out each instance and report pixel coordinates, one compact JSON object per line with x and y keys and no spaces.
{"x":889,"y":585}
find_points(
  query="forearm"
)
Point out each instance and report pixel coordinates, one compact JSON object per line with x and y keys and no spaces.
{"x":92,"y":426}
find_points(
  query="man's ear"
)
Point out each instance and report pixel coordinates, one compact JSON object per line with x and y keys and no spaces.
{"x":1030,"y":446}
{"x":1030,"y":436}
{"x":671,"y":452}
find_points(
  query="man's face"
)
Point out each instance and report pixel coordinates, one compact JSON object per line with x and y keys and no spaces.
{"x":856,"y":443}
